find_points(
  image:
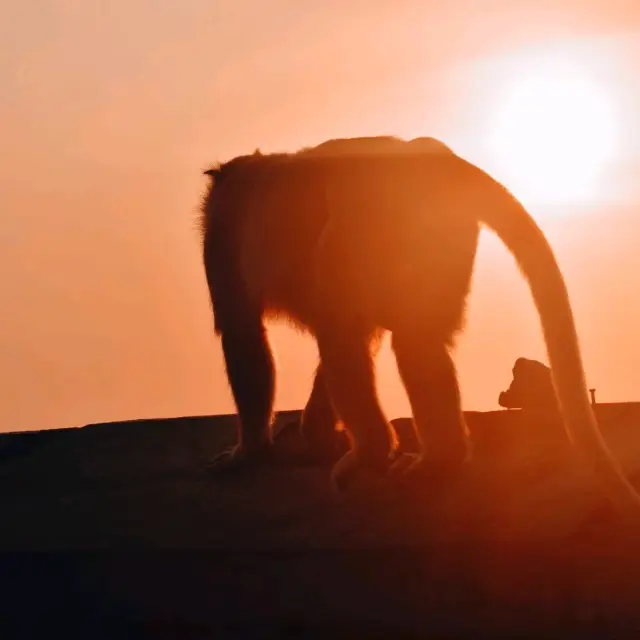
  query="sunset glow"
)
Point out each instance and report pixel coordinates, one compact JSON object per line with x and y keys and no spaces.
{"x":110,"y":111}
{"x":553,"y":130}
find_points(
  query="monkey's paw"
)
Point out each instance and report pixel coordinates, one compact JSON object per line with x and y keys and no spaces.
{"x":296,"y":448}
{"x":422,"y":469}
{"x":239,"y":459}
{"x":354,"y":463}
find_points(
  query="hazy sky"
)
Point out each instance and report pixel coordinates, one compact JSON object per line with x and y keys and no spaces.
{"x":109,"y":111}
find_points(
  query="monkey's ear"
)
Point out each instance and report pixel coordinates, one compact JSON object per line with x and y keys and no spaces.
{"x":212,"y":173}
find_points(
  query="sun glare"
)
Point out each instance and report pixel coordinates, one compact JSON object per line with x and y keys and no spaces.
{"x":553,"y":130}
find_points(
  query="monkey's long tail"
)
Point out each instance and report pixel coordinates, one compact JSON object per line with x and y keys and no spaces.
{"x":502,"y":213}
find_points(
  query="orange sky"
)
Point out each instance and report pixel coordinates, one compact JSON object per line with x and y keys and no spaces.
{"x":109,"y":111}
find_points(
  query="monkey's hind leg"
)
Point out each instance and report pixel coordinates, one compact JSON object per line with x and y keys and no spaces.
{"x":314,"y":440}
{"x":318,"y":425}
{"x":429,"y":376}
{"x":347,"y":364}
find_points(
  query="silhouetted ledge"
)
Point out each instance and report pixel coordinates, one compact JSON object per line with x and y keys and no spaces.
{"x":520,"y":542}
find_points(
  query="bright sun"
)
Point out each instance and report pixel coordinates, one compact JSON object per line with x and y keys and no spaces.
{"x":552,"y":131}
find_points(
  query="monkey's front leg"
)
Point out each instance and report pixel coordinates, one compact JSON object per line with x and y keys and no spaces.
{"x":251,"y":374}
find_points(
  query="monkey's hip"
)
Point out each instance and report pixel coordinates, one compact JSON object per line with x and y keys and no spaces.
{"x":392,"y":289}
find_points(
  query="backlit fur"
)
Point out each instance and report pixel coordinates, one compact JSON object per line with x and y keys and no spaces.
{"x":349,"y":244}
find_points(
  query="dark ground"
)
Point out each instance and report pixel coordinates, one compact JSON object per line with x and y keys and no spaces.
{"x":116,"y":530}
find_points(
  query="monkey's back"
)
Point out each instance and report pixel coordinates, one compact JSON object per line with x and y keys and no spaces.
{"x":371,"y":215}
